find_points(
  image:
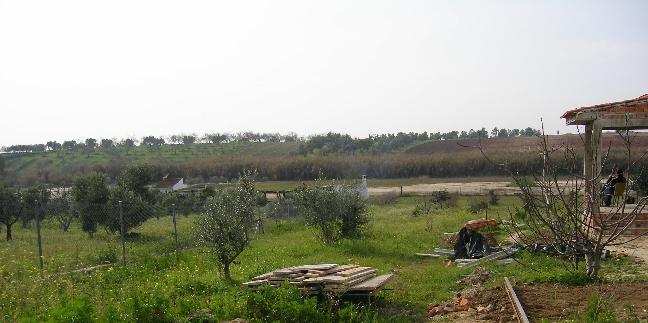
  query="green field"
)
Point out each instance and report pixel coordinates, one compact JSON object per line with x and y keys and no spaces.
{"x":158,"y":284}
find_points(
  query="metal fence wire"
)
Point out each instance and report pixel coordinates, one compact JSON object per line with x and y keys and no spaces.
{"x":60,"y":235}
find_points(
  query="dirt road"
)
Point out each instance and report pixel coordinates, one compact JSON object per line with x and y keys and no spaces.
{"x":474,"y":188}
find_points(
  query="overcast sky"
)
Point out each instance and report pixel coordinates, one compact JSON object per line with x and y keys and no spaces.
{"x":103,"y":69}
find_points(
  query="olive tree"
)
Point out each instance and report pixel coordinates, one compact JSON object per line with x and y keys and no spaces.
{"x":227,"y":221}
{"x":135,"y":210}
{"x":62,"y":208}
{"x":335,"y":211}
{"x":11,"y":208}
{"x":90,"y":193}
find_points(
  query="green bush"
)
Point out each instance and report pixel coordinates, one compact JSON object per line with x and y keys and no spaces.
{"x":422,"y":208}
{"x":477,"y":206}
{"x":444,"y":199}
{"x":336,"y":211}
{"x":493,"y":198}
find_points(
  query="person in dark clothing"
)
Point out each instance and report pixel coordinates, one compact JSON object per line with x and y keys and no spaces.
{"x":608,"y":188}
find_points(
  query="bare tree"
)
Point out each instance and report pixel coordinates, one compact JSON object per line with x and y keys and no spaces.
{"x":562,"y":205}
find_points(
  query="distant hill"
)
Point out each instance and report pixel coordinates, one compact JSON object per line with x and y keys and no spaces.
{"x":204,"y":162}
{"x":523,"y":144}
{"x":55,"y":165}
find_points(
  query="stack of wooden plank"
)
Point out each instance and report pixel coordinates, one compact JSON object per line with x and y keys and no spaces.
{"x":315,"y":279}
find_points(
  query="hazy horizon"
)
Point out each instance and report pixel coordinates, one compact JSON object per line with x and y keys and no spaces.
{"x":71,"y":70}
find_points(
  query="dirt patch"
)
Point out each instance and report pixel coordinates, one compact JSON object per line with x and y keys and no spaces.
{"x":551,"y":302}
{"x":636,"y":248}
{"x":559,"y":302}
{"x":474,"y":303}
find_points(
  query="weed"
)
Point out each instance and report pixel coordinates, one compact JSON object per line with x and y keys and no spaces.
{"x":598,"y":311}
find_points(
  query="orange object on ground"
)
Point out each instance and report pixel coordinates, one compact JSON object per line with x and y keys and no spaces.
{"x":476,"y":224}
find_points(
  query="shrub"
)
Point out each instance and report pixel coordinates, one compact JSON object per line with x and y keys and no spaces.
{"x":261,"y":199}
{"x":335,"y":211}
{"x":477,"y":206}
{"x":423,"y":208}
{"x":440,"y":197}
{"x":598,"y":311}
{"x":493,"y":198}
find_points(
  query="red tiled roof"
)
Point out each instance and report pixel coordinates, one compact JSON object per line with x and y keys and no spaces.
{"x":168,"y":183}
{"x":572,"y":112}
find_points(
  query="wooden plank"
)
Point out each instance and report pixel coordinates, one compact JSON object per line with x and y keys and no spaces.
{"x":493,"y":256}
{"x":339,"y":279}
{"x":445,"y":252}
{"x":339,"y":268}
{"x":517,"y":306}
{"x":316,"y":267}
{"x":428,"y":255}
{"x":255,"y":283}
{"x":353,"y":271}
{"x":372,"y":284}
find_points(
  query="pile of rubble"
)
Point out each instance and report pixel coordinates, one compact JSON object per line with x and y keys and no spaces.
{"x":324,"y":278}
{"x":469,"y":300}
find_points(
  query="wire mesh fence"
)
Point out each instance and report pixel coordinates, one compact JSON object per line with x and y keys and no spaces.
{"x":60,"y":235}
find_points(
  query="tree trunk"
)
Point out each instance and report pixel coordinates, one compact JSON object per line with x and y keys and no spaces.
{"x":593,"y":263}
{"x":9,"y":237}
{"x":226,"y":270}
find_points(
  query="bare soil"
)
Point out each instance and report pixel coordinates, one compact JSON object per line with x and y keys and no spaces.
{"x":637,"y":248}
{"x":554,"y":302}
{"x":559,"y":302}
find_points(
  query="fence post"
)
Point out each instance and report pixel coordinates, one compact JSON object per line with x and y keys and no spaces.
{"x":38,"y":234}
{"x":401,"y":190}
{"x":123,"y":237}
{"x":175,"y":229}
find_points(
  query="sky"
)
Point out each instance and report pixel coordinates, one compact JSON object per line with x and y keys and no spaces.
{"x":117,"y":69}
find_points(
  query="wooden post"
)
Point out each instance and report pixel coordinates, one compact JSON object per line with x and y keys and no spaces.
{"x":588,"y":161}
{"x":123,"y":237}
{"x":592,"y":168}
{"x":38,"y":234}
{"x":175,"y":229}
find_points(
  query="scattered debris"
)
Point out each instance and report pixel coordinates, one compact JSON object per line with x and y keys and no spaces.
{"x":470,"y":244}
{"x":323,"y":278}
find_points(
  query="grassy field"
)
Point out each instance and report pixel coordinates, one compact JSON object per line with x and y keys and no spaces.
{"x":33,"y":164}
{"x":157,"y":285}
